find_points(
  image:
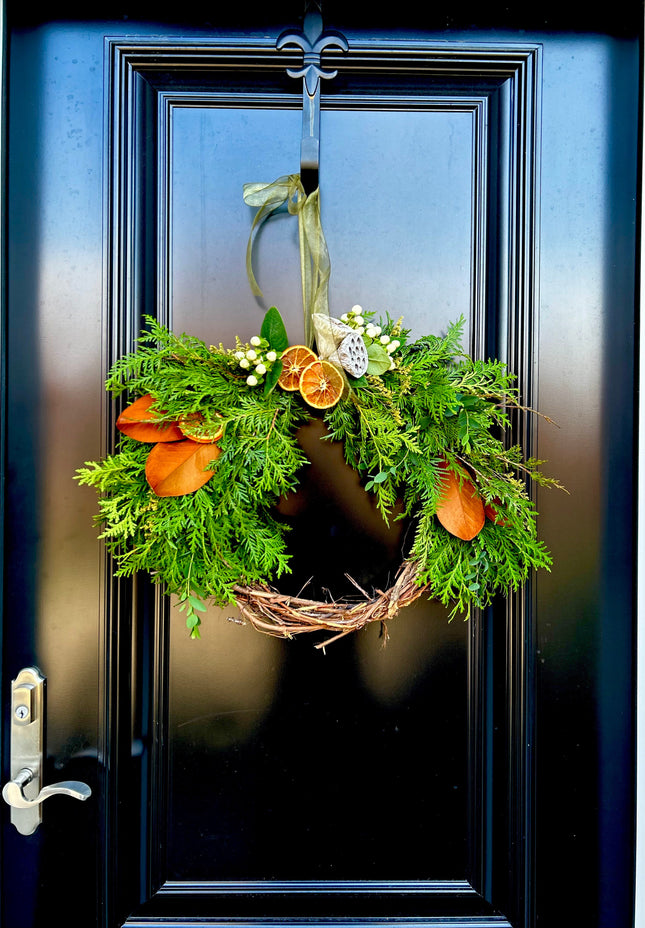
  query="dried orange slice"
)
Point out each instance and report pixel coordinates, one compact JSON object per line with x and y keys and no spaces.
{"x":321,"y":384}
{"x":192,"y":426}
{"x":294,"y":360}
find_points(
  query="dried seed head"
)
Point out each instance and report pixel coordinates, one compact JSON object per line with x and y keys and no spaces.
{"x":352,"y":354}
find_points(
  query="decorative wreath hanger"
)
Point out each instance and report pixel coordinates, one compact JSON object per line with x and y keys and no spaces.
{"x":209,"y":444}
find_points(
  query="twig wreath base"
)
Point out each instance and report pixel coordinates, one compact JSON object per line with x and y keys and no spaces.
{"x":285,"y":616}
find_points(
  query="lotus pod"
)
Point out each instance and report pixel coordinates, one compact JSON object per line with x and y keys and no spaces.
{"x":352,"y":354}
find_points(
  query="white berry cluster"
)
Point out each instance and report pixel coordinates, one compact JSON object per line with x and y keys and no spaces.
{"x":360,"y":321}
{"x":255,"y":358}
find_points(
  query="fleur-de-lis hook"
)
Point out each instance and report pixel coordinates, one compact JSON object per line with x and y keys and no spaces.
{"x":312,"y":40}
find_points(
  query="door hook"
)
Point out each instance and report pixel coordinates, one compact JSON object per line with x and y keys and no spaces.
{"x":24,"y":791}
{"x":312,"y":40}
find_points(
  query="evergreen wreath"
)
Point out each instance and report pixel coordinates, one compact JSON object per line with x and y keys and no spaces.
{"x":209,"y":446}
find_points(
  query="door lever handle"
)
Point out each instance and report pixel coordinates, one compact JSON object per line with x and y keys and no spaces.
{"x":14,"y":796}
{"x":24,"y":792}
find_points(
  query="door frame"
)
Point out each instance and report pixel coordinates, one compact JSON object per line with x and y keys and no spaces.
{"x":129,"y":64}
{"x":639,"y":887}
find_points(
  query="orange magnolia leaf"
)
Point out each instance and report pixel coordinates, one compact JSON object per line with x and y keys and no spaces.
{"x":135,"y":423}
{"x":177,"y":468}
{"x":461,"y":510}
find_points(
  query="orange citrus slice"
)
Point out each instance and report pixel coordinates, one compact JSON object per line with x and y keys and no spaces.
{"x":192,"y":426}
{"x":294,"y":360}
{"x":321,"y":384}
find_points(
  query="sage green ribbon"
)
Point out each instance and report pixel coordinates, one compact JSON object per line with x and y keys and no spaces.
{"x":315,"y":267}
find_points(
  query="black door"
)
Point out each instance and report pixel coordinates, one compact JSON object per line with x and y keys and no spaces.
{"x":467,"y":774}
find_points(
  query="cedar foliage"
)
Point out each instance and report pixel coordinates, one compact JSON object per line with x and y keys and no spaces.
{"x":435,"y":408}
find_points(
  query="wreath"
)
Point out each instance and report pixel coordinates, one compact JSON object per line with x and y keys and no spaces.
{"x":208,"y":447}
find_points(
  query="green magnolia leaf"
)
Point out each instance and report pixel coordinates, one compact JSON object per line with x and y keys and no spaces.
{"x":378,"y":360}
{"x":274,"y":331}
{"x":272,"y":377}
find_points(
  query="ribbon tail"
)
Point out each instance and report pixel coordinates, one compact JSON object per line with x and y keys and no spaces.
{"x":255,"y":287}
{"x":268,"y":198}
{"x":318,"y":264}
{"x":305,"y":277}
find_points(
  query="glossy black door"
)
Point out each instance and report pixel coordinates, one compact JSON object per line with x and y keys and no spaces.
{"x":480,"y":772}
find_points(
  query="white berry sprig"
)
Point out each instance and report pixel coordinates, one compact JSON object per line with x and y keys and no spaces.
{"x":254,"y":357}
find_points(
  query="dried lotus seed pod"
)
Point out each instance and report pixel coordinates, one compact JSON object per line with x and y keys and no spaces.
{"x":352,"y":354}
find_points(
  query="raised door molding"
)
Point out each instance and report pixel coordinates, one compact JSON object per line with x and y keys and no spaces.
{"x":499,"y":86}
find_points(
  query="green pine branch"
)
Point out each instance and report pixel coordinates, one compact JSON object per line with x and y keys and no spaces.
{"x":434,"y":405}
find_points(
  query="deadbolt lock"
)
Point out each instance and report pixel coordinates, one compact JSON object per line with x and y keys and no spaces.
{"x":23,"y":707}
{"x":24,"y":792}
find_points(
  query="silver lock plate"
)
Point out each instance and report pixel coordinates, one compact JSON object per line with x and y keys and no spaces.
{"x":27,"y":742}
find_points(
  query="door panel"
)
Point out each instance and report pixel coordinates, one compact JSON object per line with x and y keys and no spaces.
{"x":459,"y":118}
{"x":310,"y":736}
{"x":466,"y":773}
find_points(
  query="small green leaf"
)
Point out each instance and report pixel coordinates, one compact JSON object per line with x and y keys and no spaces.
{"x":197,"y":604}
{"x":382,"y":476}
{"x":274,"y":331}
{"x":378,"y":360}
{"x":272,"y":377}
{"x":357,"y":381}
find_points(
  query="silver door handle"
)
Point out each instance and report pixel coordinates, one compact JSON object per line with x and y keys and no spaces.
{"x":24,"y":792}
{"x":12,"y":792}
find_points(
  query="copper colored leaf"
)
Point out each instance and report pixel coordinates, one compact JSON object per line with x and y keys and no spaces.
{"x":177,"y":468}
{"x":135,"y":423}
{"x":461,"y":510}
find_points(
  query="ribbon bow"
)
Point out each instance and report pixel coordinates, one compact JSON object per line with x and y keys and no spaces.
{"x":315,"y":267}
